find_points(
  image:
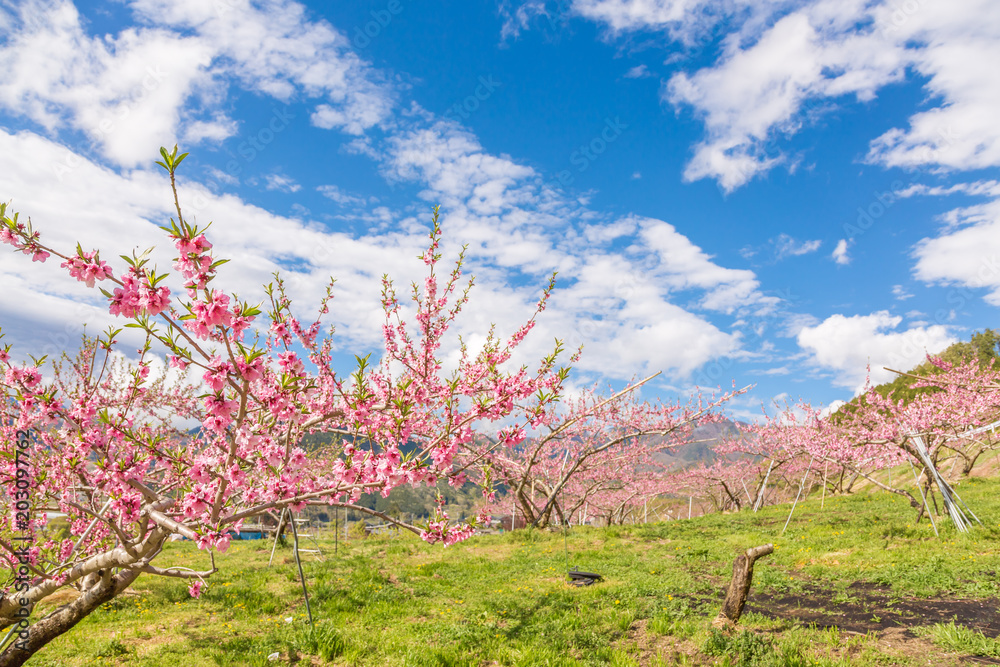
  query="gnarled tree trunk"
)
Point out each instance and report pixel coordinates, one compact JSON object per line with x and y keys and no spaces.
{"x":64,"y":618}
{"x":739,"y":587}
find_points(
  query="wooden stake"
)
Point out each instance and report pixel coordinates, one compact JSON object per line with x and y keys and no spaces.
{"x":513,"y":504}
{"x":801,"y":484}
{"x":822,"y":500}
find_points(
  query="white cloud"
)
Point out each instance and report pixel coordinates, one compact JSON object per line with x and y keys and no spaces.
{"x":976,"y":188}
{"x":221,"y":176}
{"x":519,"y":18}
{"x":518,"y":229}
{"x":686,"y":266}
{"x":757,"y":92}
{"x":638,"y":72}
{"x":839,"y":253}
{"x":214,"y":130}
{"x":605,"y":233}
{"x":281,"y":182}
{"x":333,"y":193}
{"x":955,"y":46}
{"x":966,"y":253}
{"x":277,"y":49}
{"x":130,"y":93}
{"x":833,"y":407}
{"x":786,"y":246}
{"x":685,"y":20}
{"x":795,"y":323}
{"x":629,"y":322}
{"x":124,"y":93}
{"x":454,"y":166}
{"x":631,"y":14}
{"x":900,"y":294}
{"x":783,"y":63}
{"x":846,"y":345}
{"x":779,"y":248}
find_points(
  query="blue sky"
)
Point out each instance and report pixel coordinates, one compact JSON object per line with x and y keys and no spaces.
{"x":769,"y":192}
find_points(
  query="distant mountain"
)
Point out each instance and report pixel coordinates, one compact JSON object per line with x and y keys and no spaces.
{"x":699,"y":446}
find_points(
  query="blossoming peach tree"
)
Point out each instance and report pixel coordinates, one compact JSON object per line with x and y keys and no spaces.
{"x":96,"y":439}
{"x":955,"y":418}
{"x":597,"y":454}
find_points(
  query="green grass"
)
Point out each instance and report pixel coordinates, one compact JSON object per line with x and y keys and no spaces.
{"x":961,"y":639}
{"x":503,"y":599}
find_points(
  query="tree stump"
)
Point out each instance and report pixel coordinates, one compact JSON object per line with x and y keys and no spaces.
{"x":739,"y":587}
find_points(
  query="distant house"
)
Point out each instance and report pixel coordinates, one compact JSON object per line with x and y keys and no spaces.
{"x":519,"y":522}
{"x":249,"y":531}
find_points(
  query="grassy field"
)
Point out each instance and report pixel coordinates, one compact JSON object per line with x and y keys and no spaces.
{"x":854,"y":583}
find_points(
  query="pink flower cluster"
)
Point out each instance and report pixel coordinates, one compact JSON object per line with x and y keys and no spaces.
{"x":511,"y":436}
{"x":220,"y":413}
{"x":212,"y":312}
{"x":290,"y":363}
{"x":193,"y":263}
{"x":441,"y":531}
{"x":87,"y":268}
{"x":217,"y":373}
{"x":20,"y":239}
{"x":26,"y":376}
{"x":135,"y":296}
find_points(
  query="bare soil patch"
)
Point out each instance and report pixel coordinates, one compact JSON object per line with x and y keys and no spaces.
{"x":869,"y":607}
